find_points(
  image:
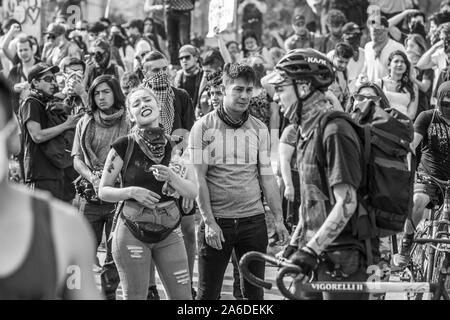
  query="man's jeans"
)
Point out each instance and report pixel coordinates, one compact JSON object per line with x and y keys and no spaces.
{"x":99,"y":217}
{"x":242,"y":235}
{"x":178,"y":32}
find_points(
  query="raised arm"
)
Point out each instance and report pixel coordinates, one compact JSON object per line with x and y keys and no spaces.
{"x":426,"y":61}
{"x":222,"y":47}
{"x":12,"y":33}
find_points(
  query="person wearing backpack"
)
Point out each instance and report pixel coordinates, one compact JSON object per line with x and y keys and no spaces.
{"x":432,"y":129}
{"x":42,"y":138}
{"x":334,"y":238}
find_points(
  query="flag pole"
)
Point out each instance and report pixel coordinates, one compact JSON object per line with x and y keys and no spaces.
{"x":107,"y":9}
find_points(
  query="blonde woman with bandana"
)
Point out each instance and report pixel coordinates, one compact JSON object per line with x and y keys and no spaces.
{"x":143,"y":160}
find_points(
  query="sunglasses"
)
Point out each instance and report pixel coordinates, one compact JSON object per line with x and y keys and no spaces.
{"x":361,"y":97}
{"x":48,"y":79}
{"x":81,"y":29}
{"x":51,"y":36}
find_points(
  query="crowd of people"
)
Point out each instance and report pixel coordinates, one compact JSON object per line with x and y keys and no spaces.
{"x":168,"y":151}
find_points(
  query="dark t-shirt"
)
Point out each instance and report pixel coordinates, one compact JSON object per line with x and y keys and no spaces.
{"x":37,"y":166}
{"x":343,"y":153}
{"x":138,"y":172}
{"x":435,"y":144}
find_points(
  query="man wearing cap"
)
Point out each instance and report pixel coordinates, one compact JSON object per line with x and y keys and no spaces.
{"x":302,"y":37}
{"x":40,"y":172}
{"x":103,"y":64}
{"x":378,"y":50}
{"x":57,"y":45}
{"x":190,"y":76}
{"x":352,"y":36}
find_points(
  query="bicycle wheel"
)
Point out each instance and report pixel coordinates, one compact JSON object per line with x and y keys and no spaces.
{"x":441,"y":263}
{"x":419,"y":264}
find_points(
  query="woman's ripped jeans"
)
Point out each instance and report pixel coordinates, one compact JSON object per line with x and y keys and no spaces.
{"x":133,"y":259}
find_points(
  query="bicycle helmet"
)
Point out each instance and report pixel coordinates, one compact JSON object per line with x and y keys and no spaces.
{"x":309,"y":64}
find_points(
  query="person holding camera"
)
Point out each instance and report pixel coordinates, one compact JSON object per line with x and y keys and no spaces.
{"x":104,"y":122}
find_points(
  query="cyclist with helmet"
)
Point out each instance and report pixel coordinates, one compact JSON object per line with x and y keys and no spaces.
{"x":323,"y":242}
{"x":432,"y":129}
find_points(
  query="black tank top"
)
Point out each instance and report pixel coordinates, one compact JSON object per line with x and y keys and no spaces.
{"x":36,"y":278}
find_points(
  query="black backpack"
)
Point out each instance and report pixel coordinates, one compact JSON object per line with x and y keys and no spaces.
{"x":385,"y":198}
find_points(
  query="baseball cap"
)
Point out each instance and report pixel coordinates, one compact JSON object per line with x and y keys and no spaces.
{"x":40,"y":69}
{"x":55,"y":29}
{"x":275,"y":78}
{"x":187,"y":50}
{"x":351,"y":27}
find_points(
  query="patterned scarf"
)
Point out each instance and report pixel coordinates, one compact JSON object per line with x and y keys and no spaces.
{"x":229,"y":121}
{"x":152,"y":142}
{"x":160,"y":85}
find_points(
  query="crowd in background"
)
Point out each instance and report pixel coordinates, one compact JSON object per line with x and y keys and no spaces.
{"x":75,"y":92}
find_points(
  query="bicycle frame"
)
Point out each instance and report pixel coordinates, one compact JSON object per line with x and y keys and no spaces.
{"x":287,"y":268}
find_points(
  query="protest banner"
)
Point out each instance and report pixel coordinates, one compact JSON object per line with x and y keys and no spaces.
{"x":221,"y":14}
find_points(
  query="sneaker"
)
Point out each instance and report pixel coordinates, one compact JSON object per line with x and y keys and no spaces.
{"x":402,"y":258}
{"x":153,"y":293}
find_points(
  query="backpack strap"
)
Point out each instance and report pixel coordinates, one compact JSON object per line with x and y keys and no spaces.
{"x":126,"y":160}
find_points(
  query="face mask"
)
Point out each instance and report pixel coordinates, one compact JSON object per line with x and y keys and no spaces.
{"x":5,"y":134}
{"x":353,"y":40}
{"x":117,"y":40}
{"x":102,"y":59}
{"x":159,"y":81}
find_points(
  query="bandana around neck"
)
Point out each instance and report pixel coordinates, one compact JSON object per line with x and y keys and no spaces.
{"x":152,"y":142}
{"x":229,"y":121}
{"x":160,"y":85}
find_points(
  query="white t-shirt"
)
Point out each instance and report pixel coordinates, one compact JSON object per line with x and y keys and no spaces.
{"x":378,"y":68}
{"x":354,"y":68}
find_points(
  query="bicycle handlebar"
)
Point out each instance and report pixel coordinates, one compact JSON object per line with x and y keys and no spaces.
{"x":258,"y":256}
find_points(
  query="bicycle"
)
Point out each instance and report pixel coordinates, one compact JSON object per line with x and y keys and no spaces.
{"x":426,"y":256}
{"x":438,"y":289}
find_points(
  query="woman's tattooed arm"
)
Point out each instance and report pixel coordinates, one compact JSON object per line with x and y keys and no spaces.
{"x":337,"y":219}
